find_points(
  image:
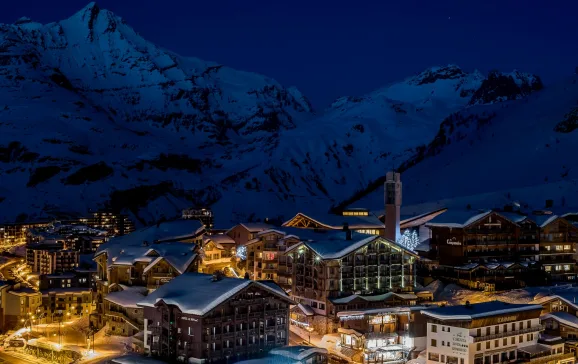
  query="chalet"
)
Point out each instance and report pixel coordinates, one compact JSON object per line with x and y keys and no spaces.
{"x":477,"y":240}
{"x":148,"y":258}
{"x":218,"y":319}
{"x":242,"y":233}
{"x":218,"y":252}
{"x":558,"y":238}
{"x":266,"y":258}
{"x":348,"y":266}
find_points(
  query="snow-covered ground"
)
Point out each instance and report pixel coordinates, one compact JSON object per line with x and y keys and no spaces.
{"x":456,"y":295}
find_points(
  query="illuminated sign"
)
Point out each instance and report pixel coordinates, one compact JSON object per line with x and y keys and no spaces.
{"x":189,"y":319}
{"x":507,"y":318}
{"x":453,"y":241}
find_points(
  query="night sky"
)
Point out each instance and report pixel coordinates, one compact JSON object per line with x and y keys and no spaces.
{"x":336,"y":48}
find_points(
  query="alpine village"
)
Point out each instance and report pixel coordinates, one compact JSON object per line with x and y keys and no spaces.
{"x":356,"y":287}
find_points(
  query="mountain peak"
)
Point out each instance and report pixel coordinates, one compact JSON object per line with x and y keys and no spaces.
{"x":432,"y":74}
{"x":95,"y":20}
{"x":23,"y":20}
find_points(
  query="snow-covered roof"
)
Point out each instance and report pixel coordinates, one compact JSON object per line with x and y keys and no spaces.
{"x":334,"y":245}
{"x":219,"y":239}
{"x":569,"y":298}
{"x":562,"y":317}
{"x":127,"y":298}
{"x":306,"y":309}
{"x":129,"y":249}
{"x":460,"y":218}
{"x":202,"y":293}
{"x":376,"y":298}
{"x":457,"y":218}
{"x":298,"y":352}
{"x":478,"y":310}
{"x":165,"y":231}
{"x":335,"y":222}
{"x":135,"y":359}
{"x":544,"y":220}
{"x":253,"y":227}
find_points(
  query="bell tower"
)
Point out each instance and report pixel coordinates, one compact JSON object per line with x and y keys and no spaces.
{"x":392,"y":205}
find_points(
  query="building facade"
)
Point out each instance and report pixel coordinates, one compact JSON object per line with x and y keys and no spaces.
{"x":48,"y":258}
{"x":219,"y":319}
{"x":489,"y":333}
{"x":330,"y":269}
{"x":147,"y":258}
{"x":205,"y":216}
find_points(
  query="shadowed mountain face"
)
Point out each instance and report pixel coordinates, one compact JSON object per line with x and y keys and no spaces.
{"x":93,"y":115}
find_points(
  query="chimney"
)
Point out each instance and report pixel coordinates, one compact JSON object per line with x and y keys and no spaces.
{"x":347,"y":231}
{"x":392,"y":205}
{"x":467,"y":303}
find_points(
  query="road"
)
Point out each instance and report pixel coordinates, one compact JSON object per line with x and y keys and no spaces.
{"x":5,"y":270}
{"x":5,"y":358}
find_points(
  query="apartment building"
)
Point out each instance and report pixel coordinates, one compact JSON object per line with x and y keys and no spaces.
{"x":333,"y":271}
{"x":242,"y":233}
{"x":148,"y":257}
{"x":266,"y":257}
{"x":490,"y":333}
{"x":62,"y":304}
{"x":501,"y":248}
{"x":20,"y":306}
{"x":50,"y":257}
{"x":218,"y":319}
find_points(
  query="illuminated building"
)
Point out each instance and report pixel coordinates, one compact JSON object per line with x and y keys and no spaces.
{"x":490,"y":333}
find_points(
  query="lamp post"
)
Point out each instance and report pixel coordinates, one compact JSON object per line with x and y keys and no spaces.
{"x":309,"y":330}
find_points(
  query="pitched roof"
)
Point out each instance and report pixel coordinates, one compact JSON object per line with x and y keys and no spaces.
{"x":562,"y":317}
{"x":204,"y":294}
{"x":127,"y":298}
{"x":129,"y":249}
{"x":253,"y":227}
{"x":376,"y":298}
{"x":165,"y":231}
{"x":478,"y":310}
{"x":335,"y":222}
{"x":219,"y":239}
{"x":458,"y":218}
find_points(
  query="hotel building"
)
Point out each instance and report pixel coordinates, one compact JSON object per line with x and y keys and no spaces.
{"x":490,"y":333}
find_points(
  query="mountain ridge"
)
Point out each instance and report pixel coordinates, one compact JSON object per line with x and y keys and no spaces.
{"x":96,"y":116}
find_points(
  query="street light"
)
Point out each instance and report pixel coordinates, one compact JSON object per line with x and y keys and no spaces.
{"x":309,"y":330}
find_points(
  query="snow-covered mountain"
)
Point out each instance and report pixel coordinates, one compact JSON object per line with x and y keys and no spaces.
{"x":488,"y":156}
{"x":93,"y":115}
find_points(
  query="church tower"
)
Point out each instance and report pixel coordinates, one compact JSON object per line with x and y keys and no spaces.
{"x":392,"y":205}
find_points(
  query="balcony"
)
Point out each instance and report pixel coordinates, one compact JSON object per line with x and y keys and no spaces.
{"x":509,"y":333}
{"x":161,"y":275}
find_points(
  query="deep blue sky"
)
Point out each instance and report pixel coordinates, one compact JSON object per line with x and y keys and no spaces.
{"x":332,"y":48}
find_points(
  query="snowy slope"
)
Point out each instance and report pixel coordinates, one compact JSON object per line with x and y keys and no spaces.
{"x":93,"y":115}
{"x":487,"y":156}
{"x":88,"y":92}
